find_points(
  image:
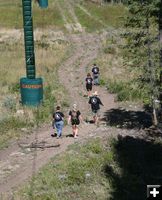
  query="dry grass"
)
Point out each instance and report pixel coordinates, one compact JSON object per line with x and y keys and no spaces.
{"x":12,"y":68}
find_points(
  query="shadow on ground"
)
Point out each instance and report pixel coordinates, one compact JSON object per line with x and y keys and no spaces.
{"x":127,"y":119}
{"x":138,"y":163}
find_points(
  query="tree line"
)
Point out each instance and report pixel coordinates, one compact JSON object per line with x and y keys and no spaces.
{"x":143,"y":47}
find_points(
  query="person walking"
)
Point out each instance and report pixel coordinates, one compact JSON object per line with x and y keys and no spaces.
{"x":96,"y":73}
{"x":58,"y":121}
{"x":89,"y":82}
{"x":75,"y":118}
{"x":95,"y":103}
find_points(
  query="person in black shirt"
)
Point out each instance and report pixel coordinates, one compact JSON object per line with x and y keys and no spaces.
{"x":96,"y":72}
{"x":58,"y":121}
{"x":95,"y":103}
{"x":75,"y":119}
{"x":89,"y":82}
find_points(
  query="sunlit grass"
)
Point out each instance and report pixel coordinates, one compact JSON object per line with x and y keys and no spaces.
{"x":12,"y":68}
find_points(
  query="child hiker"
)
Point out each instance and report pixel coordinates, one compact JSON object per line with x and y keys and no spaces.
{"x":89,"y":82}
{"x":75,"y":118}
{"x":95,"y":103}
{"x":58,"y":121}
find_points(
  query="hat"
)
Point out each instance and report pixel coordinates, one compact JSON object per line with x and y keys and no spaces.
{"x":95,"y":93}
{"x":75,"y":107}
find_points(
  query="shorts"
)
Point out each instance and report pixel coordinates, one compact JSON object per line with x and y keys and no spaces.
{"x":75,"y":122}
{"x":89,"y":87}
{"x":96,"y":112}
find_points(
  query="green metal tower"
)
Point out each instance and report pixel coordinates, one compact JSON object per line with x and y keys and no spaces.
{"x":30,"y":86}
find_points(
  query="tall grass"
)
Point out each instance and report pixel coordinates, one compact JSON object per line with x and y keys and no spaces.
{"x":48,"y":58}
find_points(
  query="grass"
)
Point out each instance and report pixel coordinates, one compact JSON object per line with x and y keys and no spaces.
{"x":41,"y":17}
{"x":88,"y":22}
{"x":51,"y":17}
{"x":100,"y":169}
{"x":79,"y":169}
{"x":48,"y":58}
{"x":99,"y":17}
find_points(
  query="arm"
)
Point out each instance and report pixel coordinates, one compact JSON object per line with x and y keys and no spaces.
{"x":100,"y":102}
{"x":80,"y":118}
{"x":62,"y":115}
{"x":69,"y":119}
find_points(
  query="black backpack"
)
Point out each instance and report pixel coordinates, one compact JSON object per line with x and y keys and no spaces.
{"x":94,"y":100}
{"x":95,"y":70}
{"x":58,"y":117}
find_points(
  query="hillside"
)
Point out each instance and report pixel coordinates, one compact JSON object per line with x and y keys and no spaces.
{"x":109,"y":161}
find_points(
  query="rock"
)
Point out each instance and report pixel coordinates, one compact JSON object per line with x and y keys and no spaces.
{"x":19,"y":113}
{"x":87,"y":175}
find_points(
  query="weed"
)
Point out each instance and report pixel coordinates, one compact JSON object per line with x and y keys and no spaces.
{"x":109,"y":50}
{"x":10,"y":103}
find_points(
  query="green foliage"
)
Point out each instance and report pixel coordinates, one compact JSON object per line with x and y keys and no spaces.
{"x":141,"y":51}
{"x":73,"y":174}
{"x":10,"y":103}
{"x":110,"y":50}
{"x":11,"y":123}
{"x":15,"y":87}
{"x":127,"y":91}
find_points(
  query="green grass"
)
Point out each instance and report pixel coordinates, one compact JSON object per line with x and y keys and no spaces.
{"x":75,"y":174}
{"x":51,"y":17}
{"x":41,"y":17}
{"x":126,"y":91}
{"x":100,"y":169}
{"x":89,"y":23}
{"x":101,"y":16}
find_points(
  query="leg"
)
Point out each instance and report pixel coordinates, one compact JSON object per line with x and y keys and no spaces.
{"x":61,"y":123}
{"x":97,"y":118}
{"x":57,"y":128}
{"x":73,"y":129}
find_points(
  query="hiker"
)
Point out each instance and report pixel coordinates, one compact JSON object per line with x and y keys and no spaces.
{"x":58,"y":121}
{"x":89,"y":82}
{"x":96,"y":72}
{"x":95,"y":103}
{"x":75,"y":119}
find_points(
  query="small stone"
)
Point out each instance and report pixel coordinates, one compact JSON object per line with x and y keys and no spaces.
{"x":88,"y":175}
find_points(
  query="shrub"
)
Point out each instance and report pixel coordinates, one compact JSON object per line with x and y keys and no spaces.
{"x":9,"y":102}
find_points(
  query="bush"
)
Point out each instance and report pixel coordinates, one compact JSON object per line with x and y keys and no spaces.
{"x":110,"y":50}
{"x":10,"y":103}
{"x":126,"y":91}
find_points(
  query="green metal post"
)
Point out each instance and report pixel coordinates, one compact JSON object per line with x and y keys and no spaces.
{"x":31,"y":88}
{"x":28,"y":39}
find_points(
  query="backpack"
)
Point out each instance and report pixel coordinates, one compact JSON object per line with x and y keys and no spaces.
{"x":95,"y":70}
{"x":58,"y":117}
{"x":94,"y":100}
{"x":89,"y":81}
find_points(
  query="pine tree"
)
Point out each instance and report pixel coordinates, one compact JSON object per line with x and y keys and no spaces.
{"x":142,"y":46}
